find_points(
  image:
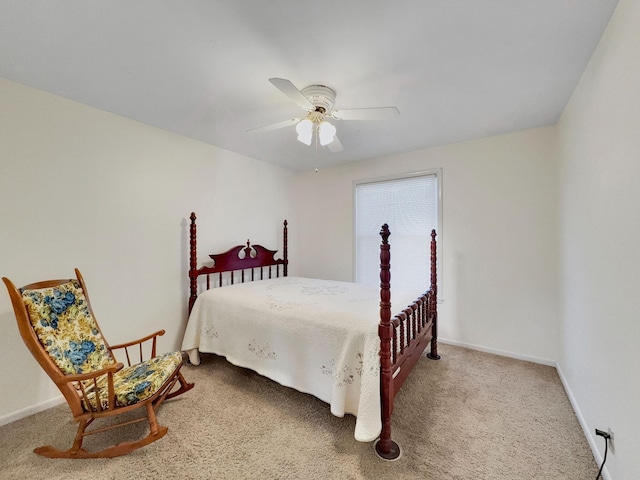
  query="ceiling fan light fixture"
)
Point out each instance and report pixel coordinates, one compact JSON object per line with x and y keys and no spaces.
{"x":326,"y":132}
{"x":318,"y":102}
{"x":305,"y":131}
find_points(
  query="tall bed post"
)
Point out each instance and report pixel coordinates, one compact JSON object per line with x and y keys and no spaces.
{"x":433,"y":305}
{"x":193,"y":264}
{"x":285,"y":252}
{"x":385,"y":447}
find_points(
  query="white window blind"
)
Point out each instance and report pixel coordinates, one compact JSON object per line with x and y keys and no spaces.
{"x":410,"y":207}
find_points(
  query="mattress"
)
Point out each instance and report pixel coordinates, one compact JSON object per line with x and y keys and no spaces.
{"x":316,"y":336}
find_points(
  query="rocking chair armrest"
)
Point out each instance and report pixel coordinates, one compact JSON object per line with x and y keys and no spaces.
{"x":90,"y":391}
{"x":139,"y":347}
{"x":81,"y":377}
{"x":159,"y":333}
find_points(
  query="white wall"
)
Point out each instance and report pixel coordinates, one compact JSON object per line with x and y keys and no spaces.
{"x":80,"y":187}
{"x":499,"y":277}
{"x":599,"y":230}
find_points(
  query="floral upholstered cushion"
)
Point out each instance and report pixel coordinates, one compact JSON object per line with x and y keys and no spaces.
{"x":138,"y":382}
{"x":61,"y":319}
{"x":63,"y":323}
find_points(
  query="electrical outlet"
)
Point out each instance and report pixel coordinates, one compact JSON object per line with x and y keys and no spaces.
{"x":608,"y":435}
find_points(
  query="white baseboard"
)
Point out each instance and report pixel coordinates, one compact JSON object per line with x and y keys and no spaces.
{"x":591,"y":439}
{"x":502,"y":353}
{"x":25,"y":412}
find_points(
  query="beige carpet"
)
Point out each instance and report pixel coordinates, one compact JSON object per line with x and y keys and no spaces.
{"x":470,"y":415}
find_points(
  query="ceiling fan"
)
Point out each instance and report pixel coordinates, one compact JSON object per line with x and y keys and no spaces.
{"x":318,"y":101}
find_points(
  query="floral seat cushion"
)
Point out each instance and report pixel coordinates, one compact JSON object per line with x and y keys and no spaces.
{"x":138,"y":382}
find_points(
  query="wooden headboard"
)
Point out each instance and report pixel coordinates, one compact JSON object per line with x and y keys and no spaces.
{"x":241,"y":258}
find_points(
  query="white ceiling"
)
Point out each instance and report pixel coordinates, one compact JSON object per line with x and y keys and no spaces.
{"x":456,"y":69}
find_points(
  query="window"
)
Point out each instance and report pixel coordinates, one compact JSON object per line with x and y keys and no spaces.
{"x":411,"y":207}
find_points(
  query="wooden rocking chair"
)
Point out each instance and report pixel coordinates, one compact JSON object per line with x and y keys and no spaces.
{"x":57,"y":324}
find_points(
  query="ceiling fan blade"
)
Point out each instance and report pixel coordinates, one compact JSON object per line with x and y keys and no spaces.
{"x":375,"y":113}
{"x":335,"y":146}
{"x":290,"y":90}
{"x":275,"y":126}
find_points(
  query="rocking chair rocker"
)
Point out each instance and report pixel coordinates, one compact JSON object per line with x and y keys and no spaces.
{"x":57,"y":324}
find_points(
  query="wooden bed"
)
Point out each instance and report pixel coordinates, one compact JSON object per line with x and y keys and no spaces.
{"x":402,"y":338}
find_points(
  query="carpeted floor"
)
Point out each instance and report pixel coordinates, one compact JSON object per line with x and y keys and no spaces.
{"x":470,"y":415}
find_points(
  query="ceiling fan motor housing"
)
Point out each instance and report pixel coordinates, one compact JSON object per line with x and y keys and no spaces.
{"x":321,"y":97}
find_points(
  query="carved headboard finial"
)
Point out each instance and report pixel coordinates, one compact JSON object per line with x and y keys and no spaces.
{"x":247,"y":250}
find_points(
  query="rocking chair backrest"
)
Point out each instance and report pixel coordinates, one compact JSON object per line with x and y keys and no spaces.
{"x":62,"y":320}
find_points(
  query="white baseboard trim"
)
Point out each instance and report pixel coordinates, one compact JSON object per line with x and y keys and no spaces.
{"x":591,"y":439}
{"x":502,"y":353}
{"x":25,"y":412}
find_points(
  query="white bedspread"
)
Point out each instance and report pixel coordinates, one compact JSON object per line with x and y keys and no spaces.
{"x":317,"y":336}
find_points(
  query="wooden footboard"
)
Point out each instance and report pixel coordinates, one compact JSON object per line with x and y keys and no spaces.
{"x":402,"y":339}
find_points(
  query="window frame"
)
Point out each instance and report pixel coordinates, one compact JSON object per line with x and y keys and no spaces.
{"x":437,"y":172}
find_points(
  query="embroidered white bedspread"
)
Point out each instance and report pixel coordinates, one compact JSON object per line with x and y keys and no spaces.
{"x":317,"y":336}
